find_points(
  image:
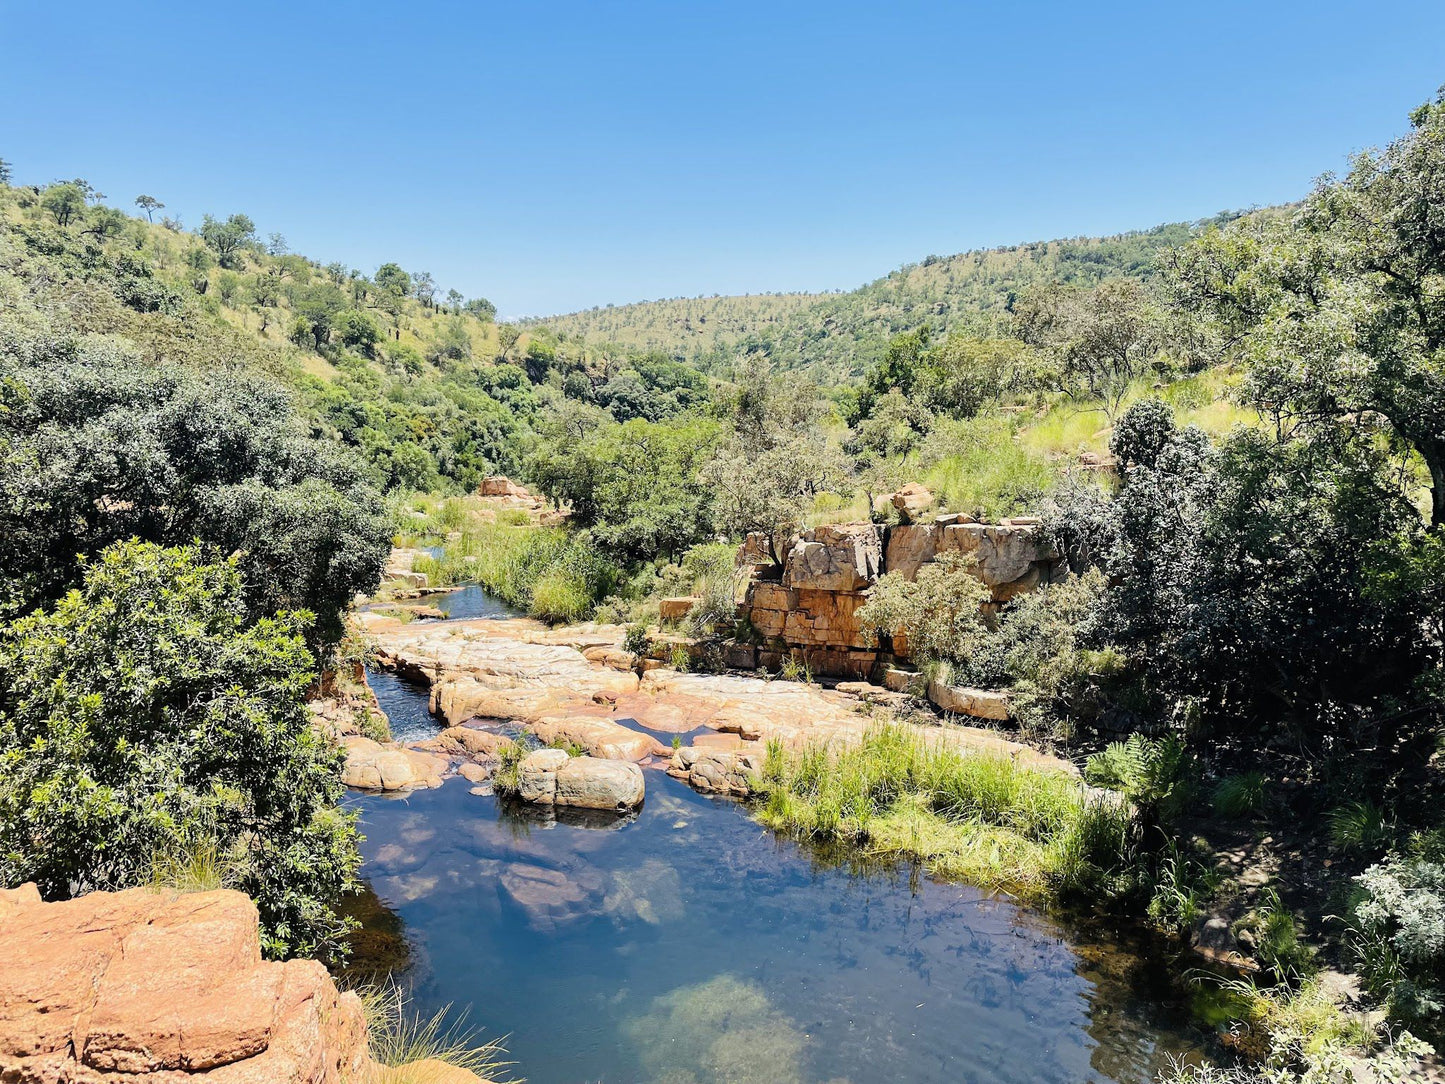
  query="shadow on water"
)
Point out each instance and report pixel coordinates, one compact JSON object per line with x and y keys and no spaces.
{"x":687,"y":945}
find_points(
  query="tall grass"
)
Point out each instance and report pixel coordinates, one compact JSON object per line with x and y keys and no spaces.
{"x":980,"y":817}
{"x":415,"y":1049}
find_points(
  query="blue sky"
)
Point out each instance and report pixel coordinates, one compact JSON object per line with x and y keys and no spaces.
{"x":554,"y":156}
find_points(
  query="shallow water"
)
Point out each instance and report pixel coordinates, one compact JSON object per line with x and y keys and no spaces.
{"x":689,"y":946}
{"x":471,"y":601}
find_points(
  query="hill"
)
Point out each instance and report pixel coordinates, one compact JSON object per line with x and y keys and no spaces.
{"x":840,"y":335}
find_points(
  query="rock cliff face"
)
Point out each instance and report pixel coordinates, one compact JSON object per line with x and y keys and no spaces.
{"x":145,"y":986}
{"x":809,"y":606}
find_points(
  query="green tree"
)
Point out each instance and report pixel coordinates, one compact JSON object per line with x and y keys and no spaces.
{"x":357,"y":329}
{"x":6,"y":172}
{"x":65,"y":201}
{"x":228,"y":239}
{"x":145,"y":719}
{"x":104,"y":223}
{"x":1337,"y":307}
{"x":391,"y":278}
{"x":150,"y":205}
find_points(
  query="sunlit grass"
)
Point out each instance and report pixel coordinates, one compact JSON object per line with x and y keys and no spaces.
{"x":978,"y":817}
{"x":412,"y":1049}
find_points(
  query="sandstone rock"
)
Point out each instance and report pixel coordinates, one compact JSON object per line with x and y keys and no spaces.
{"x":158,"y":986}
{"x":373,"y":766}
{"x":756,"y":550}
{"x":716,"y":771}
{"x":465,"y":741}
{"x":612,"y":657}
{"x":738,"y":656}
{"x":944,"y":519}
{"x":899,"y":680}
{"x":599,"y":735}
{"x":537,"y":775}
{"x":963,"y":700}
{"x":588,"y":783}
{"x":910,"y":547}
{"x":1003,"y":552}
{"x":836,"y":557}
{"x":675,"y":609}
{"x":911,"y":501}
{"x":474,"y":773}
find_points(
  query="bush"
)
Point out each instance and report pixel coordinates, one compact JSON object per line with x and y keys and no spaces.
{"x":1399,"y":932}
{"x":1154,"y":773}
{"x":1239,"y":795}
{"x":938,"y":611}
{"x":146,"y":721}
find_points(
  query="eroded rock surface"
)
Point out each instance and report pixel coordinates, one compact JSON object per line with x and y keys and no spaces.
{"x":370,"y":765}
{"x":145,"y":986}
{"x":551,"y":777}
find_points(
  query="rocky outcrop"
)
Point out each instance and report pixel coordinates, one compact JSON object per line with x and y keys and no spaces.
{"x":676,"y":608}
{"x":552,"y":777}
{"x":145,"y":986}
{"x":809,"y":609}
{"x":467,"y":742}
{"x":370,"y":765}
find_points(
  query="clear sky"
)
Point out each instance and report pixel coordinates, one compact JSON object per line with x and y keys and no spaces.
{"x":554,"y":156}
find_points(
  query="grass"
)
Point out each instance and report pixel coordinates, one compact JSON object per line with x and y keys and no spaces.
{"x":979,"y":817}
{"x":405,"y":1042}
{"x":199,"y":867}
{"x":1359,"y":828}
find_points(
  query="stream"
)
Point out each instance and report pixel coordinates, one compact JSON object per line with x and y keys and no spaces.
{"x":688,"y":945}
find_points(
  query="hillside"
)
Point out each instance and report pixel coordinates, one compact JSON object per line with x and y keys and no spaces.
{"x":839,"y":335}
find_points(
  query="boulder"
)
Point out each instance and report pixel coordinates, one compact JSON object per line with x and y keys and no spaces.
{"x":963,"y":700}
{"x":160,"y":986}
{"x":537,"y":775}
{"x":911,"y":501}
{"x":675,"y":609}
{"x":600,"y":736}
{"x":835,"y":557}
{"x":588,"y":783}
{"x":756,"y":551}
{"x":465,"y":741}
{"x":716,"y":771}
{"x":371,"y":765}
{"x":1003,"y":552}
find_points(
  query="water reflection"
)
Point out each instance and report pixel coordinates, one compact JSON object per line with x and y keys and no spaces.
{"x":688,"y":945}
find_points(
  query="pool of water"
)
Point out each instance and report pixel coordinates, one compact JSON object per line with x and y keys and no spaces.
{"x":687,"y":945}
{"x":471,"y":601}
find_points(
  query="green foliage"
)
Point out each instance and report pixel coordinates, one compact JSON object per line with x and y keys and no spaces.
{"x":228,"y":239}
{"x":147,"y":717}
{"x":1360,"y":827}
{"x":99,"y":448}
{"x":1153,"y":773}
{"x":938,"y":611}
{"x":1239,"y":796}
{"x":1270,"y":935}
{"x":988,"y":819}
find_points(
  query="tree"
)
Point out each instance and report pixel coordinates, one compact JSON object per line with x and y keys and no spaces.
{"x":963,"y":373}
{"x":276,"y":245}
{"x":482,"y":309}
{"x":65,"y":201}
{"x":1336,"y":308}
{"x":229,"y":238}
{"x":146,"y":720}
{"x":5,"y":171}
{"x":104,"y":223}
{"x":507,"y":336}
{"x":1101,"y":339}
{"x":455,"y":299}
{"x":424,"y":288}
{"x":97,"y":447}
{"x":150,"y":205}
{"x":357,"y":329}
{"x":392,"y":279}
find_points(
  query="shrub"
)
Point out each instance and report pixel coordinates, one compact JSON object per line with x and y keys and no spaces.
{"x":1399,"y":932}
{"x":1359,"y":827}
{"x":1239,"y":795}
{"x":146,"y":722}
{"x":938,"y":611}
{"x":636,"y":640}
{"x":1151,"y":772}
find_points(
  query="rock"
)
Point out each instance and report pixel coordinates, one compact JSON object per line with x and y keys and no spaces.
{"x":835,"y":557}
{"x":962,"y":700}
{"x":899,"y":680}
{"x":601,"y":737}
{"x":738,"y":656}
{"x":588,"y":783}
{"x":373,"y":766}
{"x":144,"y":986}
{"x":465,"y":741}
{"x":911,"y":501}
{"x":1003,"y":552}
{"x":944,"y":519}
{"x":474,"y":773}
{"x":537,"y":775}
{"x":756,"y":551}
{"x":675,"y":609}
{"x":613,"y":657}
{"x":910,"y":547}
{"x":716,"y":771}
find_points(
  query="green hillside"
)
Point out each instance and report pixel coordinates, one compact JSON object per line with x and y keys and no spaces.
{"x":841,"y":335}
